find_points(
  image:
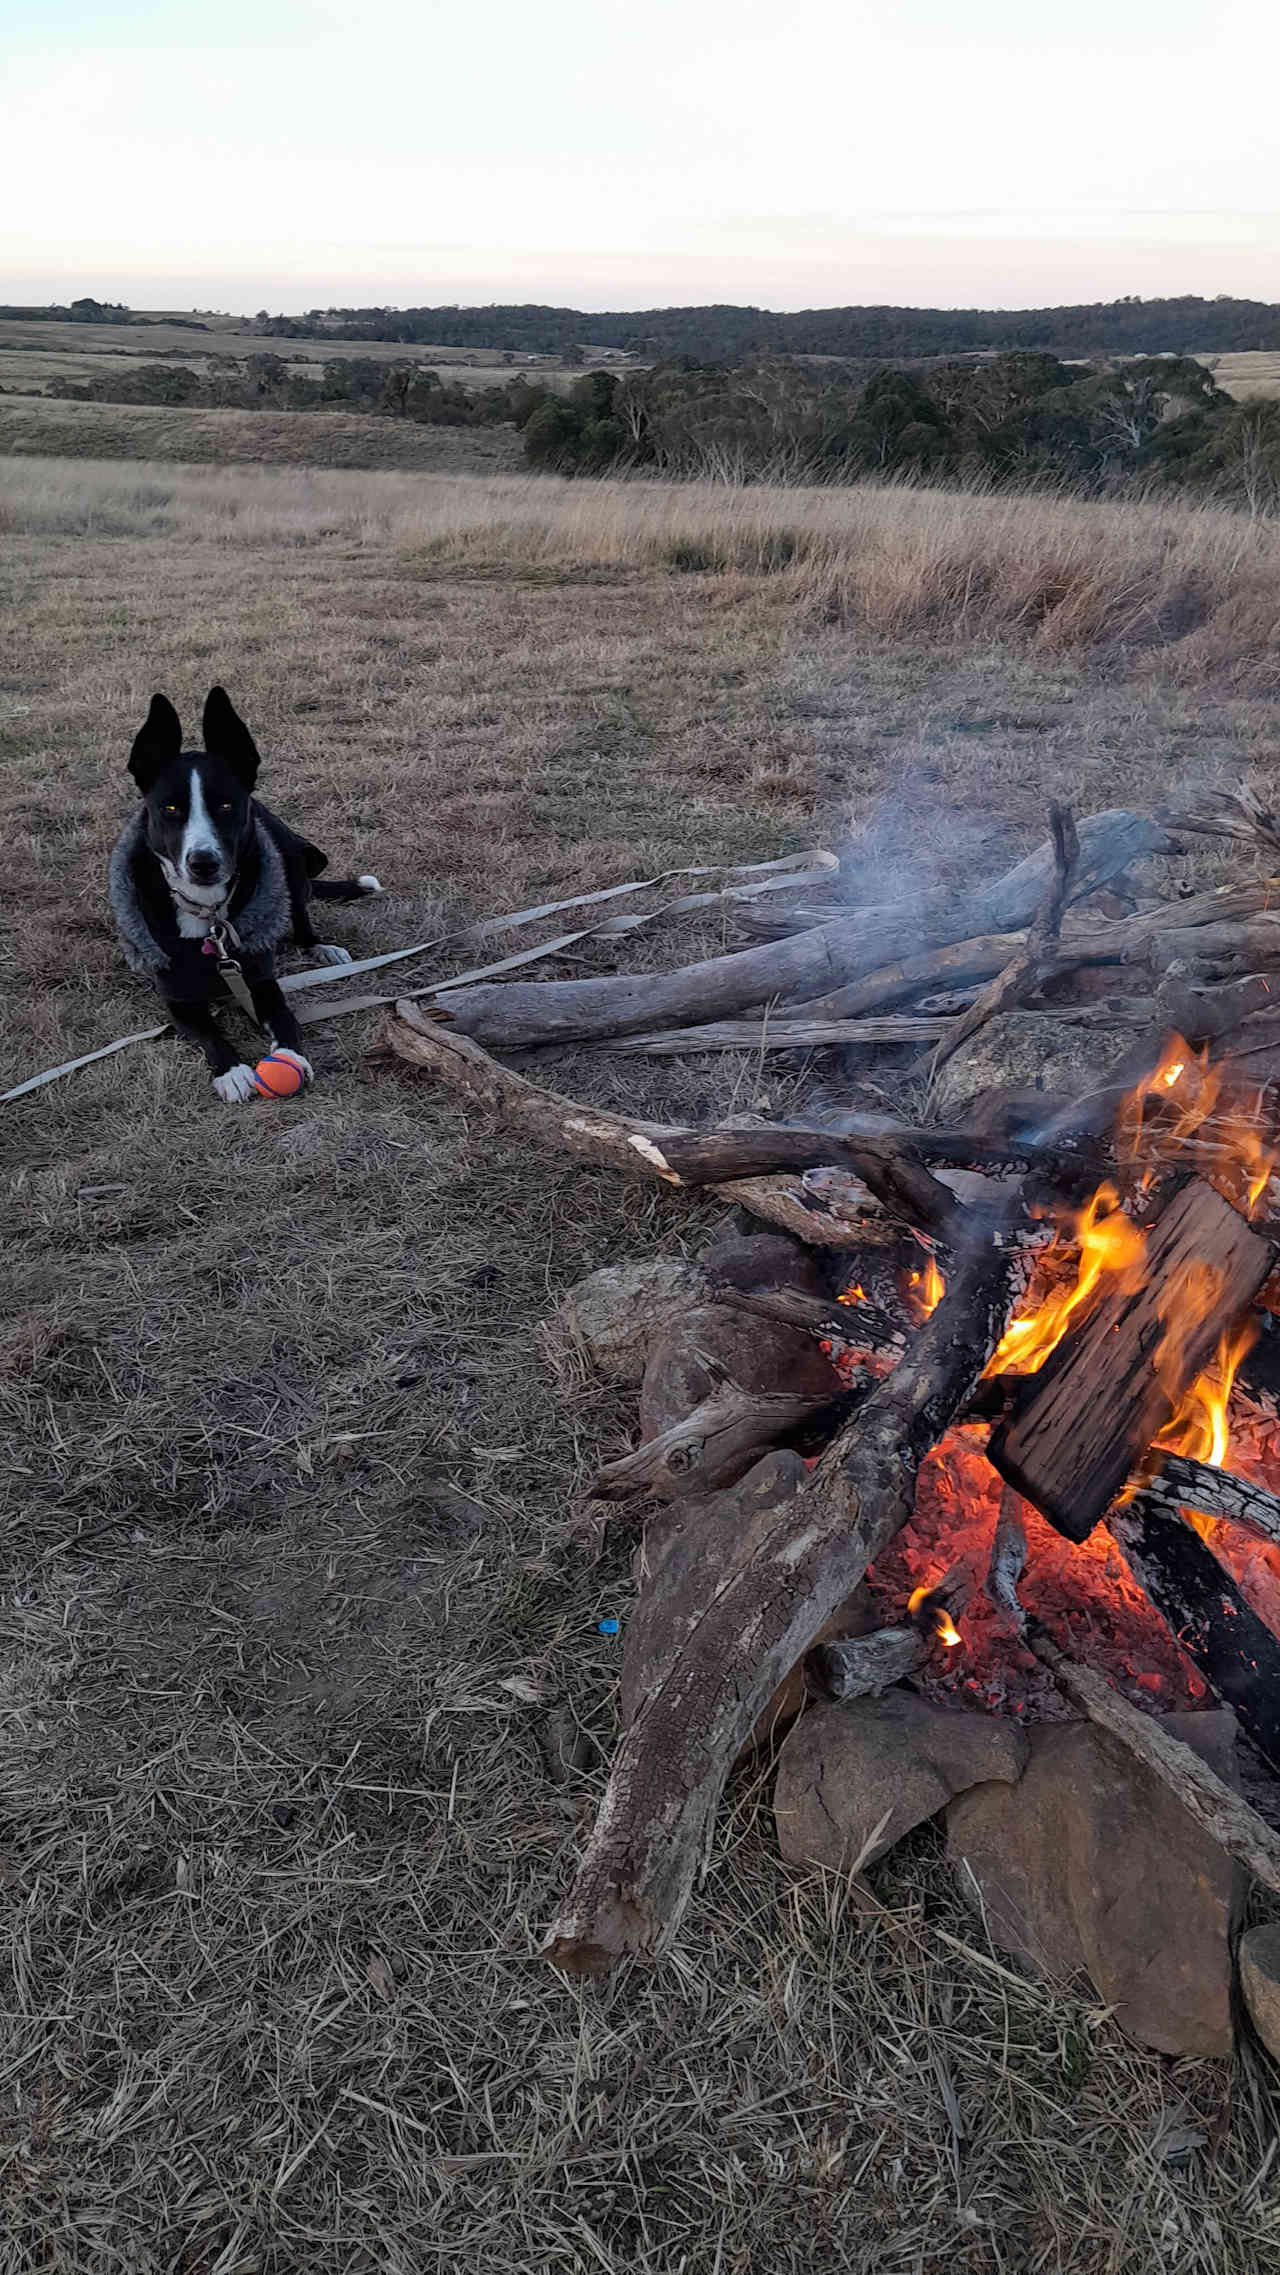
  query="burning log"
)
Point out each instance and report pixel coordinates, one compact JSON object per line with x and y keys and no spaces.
{"x":513,"y":1015}
{"x":1227,"y":1818}
{"x":1182,"y":1483}
{"x":1111,"y":1386}
{"x":1235,"y":1651}
{"x":650,"y":1835}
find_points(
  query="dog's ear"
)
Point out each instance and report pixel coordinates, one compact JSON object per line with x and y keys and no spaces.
{"x":227,"y":737}
{"x":156,"y":742}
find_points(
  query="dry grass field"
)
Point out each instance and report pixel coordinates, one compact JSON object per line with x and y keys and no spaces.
{"x":1248,"y":376}
{"x":37,"y":425}
{"x":305,"y":1703}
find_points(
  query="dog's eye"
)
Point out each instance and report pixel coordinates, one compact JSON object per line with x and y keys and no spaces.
{"x":171,"y":809}
{"x":223,"y":806}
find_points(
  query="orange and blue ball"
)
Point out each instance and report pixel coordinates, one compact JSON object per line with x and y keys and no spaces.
{"x":278,"y":1076}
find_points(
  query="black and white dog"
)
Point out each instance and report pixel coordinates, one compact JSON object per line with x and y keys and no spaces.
{"x":204,"y":880}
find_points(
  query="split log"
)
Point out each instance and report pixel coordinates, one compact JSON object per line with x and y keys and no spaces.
{"x":1113,"y":1383}
{"x":866,"y":1665}
{"x":658,"y":1811}
{"x":1181,"y":1483}
{"x":1032,"y":964}
{"x":718,"y":1158}
{"x":1235,"y":1651}
{"x":710,"y":1447}
{"x":517,"y":1014}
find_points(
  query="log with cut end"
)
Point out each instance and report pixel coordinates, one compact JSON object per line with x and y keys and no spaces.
{"x":1113,"y":1383}
{"x":658,"y":1810}
{"x":724,"y":1159}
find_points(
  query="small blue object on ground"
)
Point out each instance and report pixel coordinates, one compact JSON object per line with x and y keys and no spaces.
{"x":609,"y":1626}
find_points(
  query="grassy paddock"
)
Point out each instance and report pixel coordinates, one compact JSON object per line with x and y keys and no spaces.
{"x":1200,"y":584}
{"x":305,"y":1704}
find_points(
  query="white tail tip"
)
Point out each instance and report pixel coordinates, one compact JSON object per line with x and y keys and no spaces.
{"x":368,"y":884}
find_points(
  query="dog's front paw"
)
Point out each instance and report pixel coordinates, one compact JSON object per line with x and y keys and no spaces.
{"x":295,"y":1058}
{"x":236,"y":1086}
{"x":325,"y":952}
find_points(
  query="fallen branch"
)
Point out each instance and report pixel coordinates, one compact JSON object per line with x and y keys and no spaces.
{"x":516,"y":1015}
{"x":1222,"y":1814}
{"x":862,"y":1325}
{"x":1033,"y":963}
{"x":719,"y":1158}
{"x":658,"y":1811}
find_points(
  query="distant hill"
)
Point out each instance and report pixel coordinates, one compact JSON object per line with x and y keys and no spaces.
{"x":731,"y":334}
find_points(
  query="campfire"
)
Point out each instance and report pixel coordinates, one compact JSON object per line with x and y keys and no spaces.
{"x":1010,"y":1384}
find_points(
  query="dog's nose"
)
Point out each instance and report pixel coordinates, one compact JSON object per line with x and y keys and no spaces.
{"x":204,"y":868}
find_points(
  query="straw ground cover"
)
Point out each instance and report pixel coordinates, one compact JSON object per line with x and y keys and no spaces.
{"x":305,"y":1703}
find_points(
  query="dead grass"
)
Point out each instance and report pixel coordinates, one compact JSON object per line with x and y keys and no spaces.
{"x":305,"y":1703}
{"x":1250,"y":376}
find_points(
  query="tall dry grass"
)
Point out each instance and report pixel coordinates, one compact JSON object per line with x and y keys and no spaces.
{"x":1066,"y":573}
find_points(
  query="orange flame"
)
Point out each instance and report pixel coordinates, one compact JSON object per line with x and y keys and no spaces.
{"x":1234,"y":1157}
{"x":1109,"y":1243}
{"x":924,"y":1291}
{"x":1200,"y":1428}
{"x":944,"y":1626}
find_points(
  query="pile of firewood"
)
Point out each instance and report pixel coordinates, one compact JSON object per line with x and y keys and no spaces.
{"x":978,"y":1197}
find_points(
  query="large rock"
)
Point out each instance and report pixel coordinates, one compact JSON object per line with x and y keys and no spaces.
{"x":1260,"y":1982}
{"x":685,"y":1556}
{"x":853,"y":1779}
{"x":1026,"y":1050}
{"x":690,"y":1353}
{"x":613,"y":1316}
{"x":1090,"y":1865}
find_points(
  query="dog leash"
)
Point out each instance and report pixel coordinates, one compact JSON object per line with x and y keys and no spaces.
{"x":222,"y":939}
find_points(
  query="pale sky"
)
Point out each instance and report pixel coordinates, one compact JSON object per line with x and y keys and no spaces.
{"x":290,"y":153}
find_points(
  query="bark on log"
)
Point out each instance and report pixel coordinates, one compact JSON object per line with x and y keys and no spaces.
{"x":709,"y":1448}
{"x":515,"y":1015}
{"x":1235,"y":1651}
{"x":1114,"y":1382}
{"x":658,"y":1811}
{"x":719,"y":1158}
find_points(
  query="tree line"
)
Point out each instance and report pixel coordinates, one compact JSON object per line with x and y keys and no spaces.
{"x":1131,"y":326}
{"x":1023,"y":420}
